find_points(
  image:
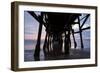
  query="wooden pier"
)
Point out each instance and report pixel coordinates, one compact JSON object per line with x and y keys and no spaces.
{"x":58,"y":26}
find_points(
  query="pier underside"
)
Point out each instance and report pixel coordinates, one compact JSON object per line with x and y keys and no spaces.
{"x":58,"y":28}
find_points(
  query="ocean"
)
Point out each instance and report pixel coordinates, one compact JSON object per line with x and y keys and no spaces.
{"x":29,"y":48}
{"x":30,"y":44}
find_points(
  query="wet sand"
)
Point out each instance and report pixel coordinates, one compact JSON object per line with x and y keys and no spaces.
{"x":74,"y":54}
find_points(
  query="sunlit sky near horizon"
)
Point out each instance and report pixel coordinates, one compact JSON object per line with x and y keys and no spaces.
{"x":31,"y":27}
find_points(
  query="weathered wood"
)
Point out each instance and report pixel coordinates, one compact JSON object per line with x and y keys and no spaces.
{"x":75,"y":44}
{"x":82,"y":30}
{"x":81,"y":40}
{"x":45,"y":45}
{"x":67,"y":43}
{"x":37,"y":48}
{"x":34,"y":15}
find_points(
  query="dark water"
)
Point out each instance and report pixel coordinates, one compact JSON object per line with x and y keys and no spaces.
{"x":77,"y":53}
{"x":30,"y":44}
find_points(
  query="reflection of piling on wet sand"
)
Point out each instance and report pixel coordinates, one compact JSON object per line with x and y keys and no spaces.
{"x":58,"y":28}
{"x":74,"y":54}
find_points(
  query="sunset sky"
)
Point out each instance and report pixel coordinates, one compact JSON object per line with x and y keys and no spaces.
{"x":31,"y":27}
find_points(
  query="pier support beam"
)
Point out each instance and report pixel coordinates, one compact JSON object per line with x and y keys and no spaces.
{"x":81,"y":40}
{"x":37,"y":48}
{"x":67,"y":43}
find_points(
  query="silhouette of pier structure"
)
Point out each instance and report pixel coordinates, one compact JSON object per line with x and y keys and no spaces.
{"x":58,"y":28}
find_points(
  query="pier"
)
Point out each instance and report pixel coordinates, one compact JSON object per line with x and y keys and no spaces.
{"x":59,"y":28}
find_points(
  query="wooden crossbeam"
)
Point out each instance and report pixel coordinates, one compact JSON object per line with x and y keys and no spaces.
{"x":34,"y":15}
{"x":87,"y":16}
{"x":82,"y":30}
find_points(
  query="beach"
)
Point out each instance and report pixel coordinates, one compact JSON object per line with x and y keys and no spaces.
{"x":75,"y":53}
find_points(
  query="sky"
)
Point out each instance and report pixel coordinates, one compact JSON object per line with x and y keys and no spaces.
{"x":31,"y":27}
